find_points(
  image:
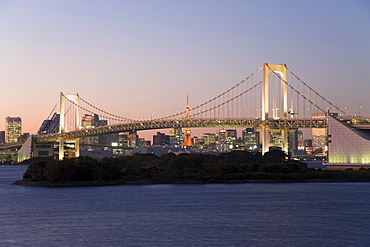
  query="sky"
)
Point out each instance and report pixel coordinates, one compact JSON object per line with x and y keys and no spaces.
{"x":143,"y":57}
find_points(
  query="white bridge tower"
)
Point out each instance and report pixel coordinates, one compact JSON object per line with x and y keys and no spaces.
{"x":74,"y":98}
{"x":279,"y":69}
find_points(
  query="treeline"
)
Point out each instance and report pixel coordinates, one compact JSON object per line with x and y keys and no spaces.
{"x":235,"y":166}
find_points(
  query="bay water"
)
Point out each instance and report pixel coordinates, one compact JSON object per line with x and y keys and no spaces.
{"x":250,"y":214}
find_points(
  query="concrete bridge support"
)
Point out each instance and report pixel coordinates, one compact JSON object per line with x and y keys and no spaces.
{"x":75,"y":99}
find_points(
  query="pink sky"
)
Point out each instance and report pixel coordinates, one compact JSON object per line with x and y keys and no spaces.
{"x":143,"y":57}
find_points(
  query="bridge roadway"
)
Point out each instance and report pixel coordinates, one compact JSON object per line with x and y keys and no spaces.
{"x":183,"y":123}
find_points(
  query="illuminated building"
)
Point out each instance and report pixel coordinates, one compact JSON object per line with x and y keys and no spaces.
{"x":209,"y":138}
{"x":50,"y":126}
{"x":198,"y":143}
{"x":128,"y":139}
{"x":231,"y":135}
{"x":133,"y":139}
{"x":276,"y":138}
{"x":123,"y":140}
{"x":251,"y":139}
{"x":209,"y":141}
{"x":187,"y":138}
{"x":349,"y":147}
{"x":226,"y":139}
{"x":13,"y":129}
{"x":300,"y":140}
{"x":318,"y":136}
{"x":222,"y":140}
{"x":176,"y":137}
{"x":92,"y":121}
{"x":24,"y":137}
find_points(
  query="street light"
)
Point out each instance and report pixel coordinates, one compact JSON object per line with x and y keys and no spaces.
{"x":275,"y":113}
{"x":345,"y":109}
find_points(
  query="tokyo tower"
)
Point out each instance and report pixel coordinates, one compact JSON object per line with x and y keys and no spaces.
{"x":187,"y":138}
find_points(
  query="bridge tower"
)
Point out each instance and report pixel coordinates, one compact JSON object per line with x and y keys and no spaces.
{"x":279,"y":69}
{"x":75,"y":99}
{"x":187,"y":138}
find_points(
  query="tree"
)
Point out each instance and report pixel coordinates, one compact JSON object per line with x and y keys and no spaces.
{"x":275,"y":156}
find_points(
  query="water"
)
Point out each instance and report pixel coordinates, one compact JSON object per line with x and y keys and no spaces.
{"x":259,"y":214}
{"x":315,"y":164}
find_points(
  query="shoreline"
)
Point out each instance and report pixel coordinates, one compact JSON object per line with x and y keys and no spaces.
{"x":146,"y":182}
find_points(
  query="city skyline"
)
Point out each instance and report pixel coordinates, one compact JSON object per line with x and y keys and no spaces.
{"x":142,"y":58}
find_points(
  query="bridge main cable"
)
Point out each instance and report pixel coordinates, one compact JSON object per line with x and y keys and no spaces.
{"x":111,"y":116}
{"x":303,"y":96}
{"x":327,"y":101}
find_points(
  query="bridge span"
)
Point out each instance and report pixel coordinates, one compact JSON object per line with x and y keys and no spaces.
{"x":279,"y":102}
{"x":185,"y":123}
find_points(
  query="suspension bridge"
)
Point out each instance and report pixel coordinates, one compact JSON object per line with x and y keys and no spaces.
{"x":271,"y":99}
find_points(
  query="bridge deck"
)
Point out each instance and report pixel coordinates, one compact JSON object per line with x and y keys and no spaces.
{"x":183,"y":123}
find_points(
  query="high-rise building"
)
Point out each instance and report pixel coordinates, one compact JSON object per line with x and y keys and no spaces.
{"x":176,"y":137}
{"x":24,"y":137}
{"x":123,"y":140}
{"x":222,"y":136}
{"x":226,"y":139}
{"x":251,"y":139}
{"x":222,"y":139}
{"x":92,"y":121}
{"x":300,"y":140}
{"x":209,"y":139}
{"x":50,"y":126}
{"x":231,"y":135}
{"x":293,"y":139}
{"x":161,"y":139}
{"x":133,"y":139}
{"x":318,"y":136}
{"x":13,"y":129}
{"x":2,"y":137}
{"x":198,"y":143}
{"x":276,"y":137}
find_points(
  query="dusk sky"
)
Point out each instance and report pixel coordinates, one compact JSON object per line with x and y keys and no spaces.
{"x":143,"y":57}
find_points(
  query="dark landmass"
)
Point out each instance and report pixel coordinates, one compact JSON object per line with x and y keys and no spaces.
{"x":233,"y":167}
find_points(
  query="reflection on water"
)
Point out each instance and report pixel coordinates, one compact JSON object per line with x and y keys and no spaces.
{"x":255,"y":214}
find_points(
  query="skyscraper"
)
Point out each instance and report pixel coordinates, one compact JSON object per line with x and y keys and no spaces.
{"x":161,"y":139}
{"x":176,"y":136}
{"x":318,"y":136}
{"x":293,"y":139}
{"x":50,"y":126}
{"x":92,"y":121}
{"x":251,"y":139}
{"x":13,"y":129}
{"x":2,"y":137}
{"x":209,"y":140}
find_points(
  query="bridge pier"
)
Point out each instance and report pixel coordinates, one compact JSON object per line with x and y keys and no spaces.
{"x":61,"y":148}
{"x":75,"y":99}
{"x":265,"y":137}
{"x":75,"y":151}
